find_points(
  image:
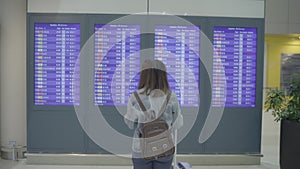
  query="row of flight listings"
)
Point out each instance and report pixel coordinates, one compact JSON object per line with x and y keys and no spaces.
{"x":117,"y":63}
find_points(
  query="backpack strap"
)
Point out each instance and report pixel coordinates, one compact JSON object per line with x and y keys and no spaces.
{"x":140,"y":102}
{"x":163,"y":108}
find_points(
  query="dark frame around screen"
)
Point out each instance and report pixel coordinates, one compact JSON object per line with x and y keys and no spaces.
{"x":241,"y":116}
{"x":238,"y":132}
{"x":46,"y":18}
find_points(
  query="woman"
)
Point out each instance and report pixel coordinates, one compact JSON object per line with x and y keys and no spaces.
{"x":152,"y":90}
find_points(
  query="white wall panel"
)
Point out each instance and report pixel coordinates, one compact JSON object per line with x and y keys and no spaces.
{"x":294,"y":12}
{"x":13,"y":71}
{"x":277,"y":11}
{"x":228,"y":8}
{"x":294,"y":29}
{"x":222,"y":8}
{"x":282,"y":17}
{"x":276,"y":28}
{"x":87,"y":6}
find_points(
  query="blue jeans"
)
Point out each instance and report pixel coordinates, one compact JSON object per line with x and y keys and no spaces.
{"x":161,"y":163}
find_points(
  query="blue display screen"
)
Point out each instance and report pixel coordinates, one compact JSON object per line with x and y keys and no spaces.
{"x":179,"y":48}
{"x":56,"y":51}
{"x":117,"y":63}
{"x":234,"y":67}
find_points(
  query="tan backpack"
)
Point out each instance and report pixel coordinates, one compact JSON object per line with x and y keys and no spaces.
{"x":155,"y":136}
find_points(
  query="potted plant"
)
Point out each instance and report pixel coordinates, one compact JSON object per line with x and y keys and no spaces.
{"x":285,"y":107}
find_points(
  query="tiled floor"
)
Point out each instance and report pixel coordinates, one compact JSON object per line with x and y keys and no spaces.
{"x":270,"y":150}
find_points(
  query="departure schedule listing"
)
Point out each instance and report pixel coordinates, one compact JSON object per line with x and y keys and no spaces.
{"x":56,"y":50}
{"x":234,"y":67}
{"x":117,"y":63}
{"x":179,"y":48}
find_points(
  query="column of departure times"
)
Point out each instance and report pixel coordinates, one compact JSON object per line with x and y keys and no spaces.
{"x":117,"y":61}
{"x":178,"y":47}
{"x":234,"y":67}
{"x":56,"y":50}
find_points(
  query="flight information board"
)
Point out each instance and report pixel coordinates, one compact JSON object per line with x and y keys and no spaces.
{"x":117,"y":63}
{"x":179,"y":48}
{"x":56,"y":50}
{"x":234,"y":67}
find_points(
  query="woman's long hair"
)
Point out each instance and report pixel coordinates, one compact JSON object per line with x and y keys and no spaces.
{"x":153,"y":76}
